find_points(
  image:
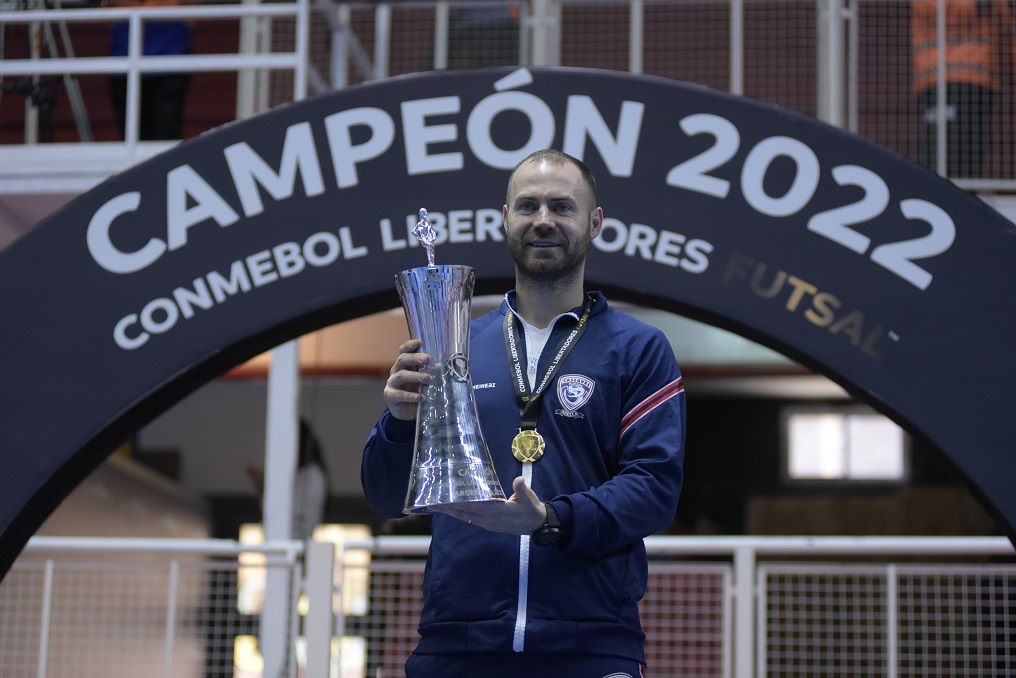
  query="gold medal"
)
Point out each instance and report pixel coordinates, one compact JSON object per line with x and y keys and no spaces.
{"x":528,"y":445}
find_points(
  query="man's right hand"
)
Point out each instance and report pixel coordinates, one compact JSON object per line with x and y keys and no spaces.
{"x":402,"y":390}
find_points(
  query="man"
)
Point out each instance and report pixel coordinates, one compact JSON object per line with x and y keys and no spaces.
{"x":979,"y":59}
{"x":162,"y":94}
{"x":547,"y":582}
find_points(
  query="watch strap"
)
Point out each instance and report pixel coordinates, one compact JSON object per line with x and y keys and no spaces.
{"x":549,"y":534}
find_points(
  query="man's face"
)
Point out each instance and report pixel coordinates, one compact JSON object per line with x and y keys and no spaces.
{"x":550,"y":219}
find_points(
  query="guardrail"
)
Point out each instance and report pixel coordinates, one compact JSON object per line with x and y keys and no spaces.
{"x":712,"y":607}
{"x":135,"y":64}
{"x":847,"y":62}
{"x":715,"y":606}
{"x":169,"y":607}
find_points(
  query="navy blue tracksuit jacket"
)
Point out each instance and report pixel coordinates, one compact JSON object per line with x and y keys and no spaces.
{"x":613,"y":470}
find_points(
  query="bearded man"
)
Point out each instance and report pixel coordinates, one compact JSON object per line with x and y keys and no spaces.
{"x":546,"y":583}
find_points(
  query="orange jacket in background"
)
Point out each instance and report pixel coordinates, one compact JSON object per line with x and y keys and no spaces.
{"x":973,"y":42}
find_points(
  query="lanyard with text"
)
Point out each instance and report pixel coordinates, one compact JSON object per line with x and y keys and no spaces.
{"x":528,"y":444}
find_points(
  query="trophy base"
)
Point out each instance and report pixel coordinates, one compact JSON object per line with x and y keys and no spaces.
{"x":431,"y":509}
{"x":450,"y":484}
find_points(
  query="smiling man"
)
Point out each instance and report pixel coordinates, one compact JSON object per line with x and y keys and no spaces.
{"x":588,"y":417}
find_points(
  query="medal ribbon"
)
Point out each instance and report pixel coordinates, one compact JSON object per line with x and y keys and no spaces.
{"x":528,"y":401}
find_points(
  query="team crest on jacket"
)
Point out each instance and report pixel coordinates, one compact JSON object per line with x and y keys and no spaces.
{"x":573,"y":391}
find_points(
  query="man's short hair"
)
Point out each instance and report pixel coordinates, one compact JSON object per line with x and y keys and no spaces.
{"x":556,"y":157}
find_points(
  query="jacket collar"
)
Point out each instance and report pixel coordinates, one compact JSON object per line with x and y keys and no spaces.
{"x":599,"y":305}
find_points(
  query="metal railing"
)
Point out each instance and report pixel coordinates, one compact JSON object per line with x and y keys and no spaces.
{"x":715,"y":606}
{"x":135,"y":63}
{"x":152,"y":607}
{"x":848,"y":62}
{"x":886,"y":620}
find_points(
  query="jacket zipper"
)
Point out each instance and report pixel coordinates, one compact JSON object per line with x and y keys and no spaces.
{"x":519,"y":638}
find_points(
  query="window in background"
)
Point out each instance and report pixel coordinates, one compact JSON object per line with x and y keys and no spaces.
{"x":842,"y":444}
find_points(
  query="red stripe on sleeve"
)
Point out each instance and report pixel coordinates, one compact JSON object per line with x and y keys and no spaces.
{"x":651,"y":403}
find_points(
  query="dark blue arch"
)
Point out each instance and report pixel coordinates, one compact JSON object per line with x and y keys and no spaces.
{"x":731,"y":238}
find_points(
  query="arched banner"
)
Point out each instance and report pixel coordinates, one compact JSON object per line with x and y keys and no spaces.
{"x":836,"y":251}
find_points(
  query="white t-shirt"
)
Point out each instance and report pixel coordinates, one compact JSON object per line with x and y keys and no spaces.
{"x":536,"y":341}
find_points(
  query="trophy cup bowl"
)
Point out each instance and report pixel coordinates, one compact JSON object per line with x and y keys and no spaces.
{"x":451,"y":461}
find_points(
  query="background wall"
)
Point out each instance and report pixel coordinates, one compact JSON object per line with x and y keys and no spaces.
{"x":734,"y":479}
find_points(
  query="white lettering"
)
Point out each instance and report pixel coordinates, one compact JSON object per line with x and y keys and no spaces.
{"x":331,"y":244}
{"x":388,"y":241}
{"x":287,"y":259}
{"x":541,"y":124}
{"x":488,"y":224}
{"x":167,"y":307}
{"x":757,"y":164}
{"x":418,"y":135}
{"x":664,"y":247}
{"x":615,"y":244}
{"x":697,"y":253}
{"x":183,"y":183}
{"x":260,"y":266}
{"x":101,"y":247}
{"x":237,"y":281}
{"x":668,"y":248}
{"x":583,"y":119}
{"x":249,"y":170}
{"x":641,"y":238}
{"x":186,"y":299}
{"x":346,"y":155}
{"x":459,"y":223}
{"x":120,"y":333}
{"x":351,"y":251}
{"x":458,"y":226}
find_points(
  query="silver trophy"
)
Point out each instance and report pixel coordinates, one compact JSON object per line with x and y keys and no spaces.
{"x":451,"y":461}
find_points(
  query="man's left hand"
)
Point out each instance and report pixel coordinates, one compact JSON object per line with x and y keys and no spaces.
{"x":522,"y":513}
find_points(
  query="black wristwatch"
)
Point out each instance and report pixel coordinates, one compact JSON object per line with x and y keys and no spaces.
{"x":549,"y":534}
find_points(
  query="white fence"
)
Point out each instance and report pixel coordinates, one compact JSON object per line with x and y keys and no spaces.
{"x":851,"y":63}
{"x":715,"y":607}
{"x":254,"y":53}
{"x":887,"y":620}
{"x":129,"y":607}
